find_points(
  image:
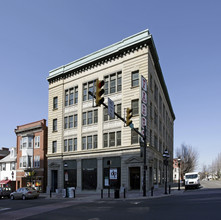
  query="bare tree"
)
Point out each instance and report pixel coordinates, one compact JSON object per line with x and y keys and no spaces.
{"x":189,"y":158}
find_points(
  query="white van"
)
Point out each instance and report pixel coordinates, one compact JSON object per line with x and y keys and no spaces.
{"x":192,"y":180}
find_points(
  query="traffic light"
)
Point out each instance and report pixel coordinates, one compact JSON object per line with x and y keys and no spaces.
{"x":99,"y":92}
{"x":129,"y":116}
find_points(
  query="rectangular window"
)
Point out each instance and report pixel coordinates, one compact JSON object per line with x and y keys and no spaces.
{"x":119,"y":109}
{"x":105,"y":114}
{"x":65,"y":122}
{"x":105,"y":139}
{"x":71,"y":96}
{"x":95,"y":141}
{"x":55,"y":124}
{"x":85,"y":92}
{"x":37,"y":161}
{"x":75,"y":144}
{"x":70,"y":144}
{"x":106,"y":85}
{"x":30,"y":142}
{"x":12,"y":166}
{"x":95,"y":116}
{"x":151,"y":82}
{"x":84,"y":143}
{"x":54,"y":146}
{"x":134,"y":137}
{"x":84,"y":119}
{"x":151,"y":110}
{"x":91,"y":89}
{"x":135,"y":79}
{"x":71,"y":121}
{"x":65,"y":145}
{"x":76,"y":95}
{"x":37,"y":141}
{"x":135,"y":106}
{"x":119,"y":81}
{"x":55,"y":102}
{"x":75,"y":120}
{"x":113,"y":83}
{"x":118,"y":138}
{"x":89,"y":142}
{"x":3,"y":166}
{"x":155,"y":93}
{"x":111,"y":139}
{"x":89,"y":117}
{"x":30,"y":161}
{"x":66,"y":98}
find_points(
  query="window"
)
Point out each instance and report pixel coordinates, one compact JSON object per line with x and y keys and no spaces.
{"x":76,"y":95}
{"x":118,"y":138}
{"x":84,"y":119}
{"x":70,"y":144}
{"x":54,"y":146}
{"x":134,"y":137}
{"x":89,"y":117}
{"x":30,"y":142}
{"x":135,"y":79}
{"x":85,"y":92}
{"x":95,"y":116}
{"x":105,"y":138}
{"x":12,"y":166}
{"x":135,"y":106}
{"x":37,"y":161}
{"x":112,"y":139}
{"x":113,"y":83}
{"x":88,"y":87}
{"x":106,"y":85}
{"x":84,"y":143}
{"x":155,"y":118}
{"x":89,"y":142}
{"x":65,"y":122}
{"x":37,"y":141}
{"x":71,"y":121}
{"x":119,"y":109}
{"x":66,"y":98}
{"x":55,"y":102}
{"x":155,"y":142}
{"x":30,"y":161}
{"x":150,"y":137}
{"x":151,"y":82}
{"x":95,"y":141}
{"x":71,"y":96}
{"x":65,"y":145}
{"x":54,"y":124}
{"x":3,"y":166}
{"x":91,"y":89}
{"x":155,"y":92}
{"x":105,"y":114}
{"x":75,"y":144}
{"x":75,"y":120}
{"x":119,"y":81}
{"x":151,"y":110}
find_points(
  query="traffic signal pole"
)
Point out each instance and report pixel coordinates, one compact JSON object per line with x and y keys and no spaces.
{"x":141,"y":135}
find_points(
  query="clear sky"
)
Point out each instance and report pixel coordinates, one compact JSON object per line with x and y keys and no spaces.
{"x":38,"y":36}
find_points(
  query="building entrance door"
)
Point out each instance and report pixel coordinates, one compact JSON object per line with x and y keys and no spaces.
{"x":134,"y":178}
{"x":54,"y":180}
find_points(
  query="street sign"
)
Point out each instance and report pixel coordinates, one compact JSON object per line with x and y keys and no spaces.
{"x":110,"y":108}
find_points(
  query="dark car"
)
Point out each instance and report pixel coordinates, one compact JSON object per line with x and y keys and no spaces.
{"x":5,"y":192}
{"x":25,"y":193}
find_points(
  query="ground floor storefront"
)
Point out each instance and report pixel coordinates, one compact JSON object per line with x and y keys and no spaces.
{"x":103,"y":172}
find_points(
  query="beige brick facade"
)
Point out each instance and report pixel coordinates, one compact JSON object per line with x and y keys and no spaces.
{"x":68,"y":168}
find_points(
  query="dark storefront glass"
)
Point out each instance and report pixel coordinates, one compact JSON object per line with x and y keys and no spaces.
{"x":114,"y":167}
{"x":89,"y":174}
{"x":70,"y":173}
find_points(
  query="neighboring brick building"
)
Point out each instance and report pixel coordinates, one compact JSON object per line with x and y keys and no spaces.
{"x":82,"y":138}
{"x":31,"y":155}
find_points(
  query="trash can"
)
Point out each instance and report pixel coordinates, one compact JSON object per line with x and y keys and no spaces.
{"x":116,"y":193}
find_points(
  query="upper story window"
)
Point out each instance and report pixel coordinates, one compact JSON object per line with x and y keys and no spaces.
{"x":3,"y":167}
{"x":26,"y":142}
{"x":37,"y":161}
{"x":112,"y":139}
{"x":70,"y":121}
{"x":134,"y":137}
{"x":155,"y":93}
{"x":90,"y":117}
{"x":12,"y":166}
{"x":106,"y":117}
{"x":135,"y":107}
{"x":55,"y":124}
{"x":37,"y":141}
{"x":89,"y":142}
{"x":135,"y":78}
{"x":55,"y":103}
{"x":113,"y":83}
{"x":71,"y":96}
{"x":89,"y":86}
{"x":151,"y":82}
{"x":70,"y":144}
{"x":54,"y":146}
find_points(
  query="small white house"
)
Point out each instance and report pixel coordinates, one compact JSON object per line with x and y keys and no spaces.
{"x":8,"y":168}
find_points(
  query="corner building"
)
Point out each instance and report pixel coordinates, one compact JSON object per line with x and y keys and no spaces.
{"x":82,"y":139}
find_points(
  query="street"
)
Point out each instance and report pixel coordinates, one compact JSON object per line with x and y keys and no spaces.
{"x":203,"y":203}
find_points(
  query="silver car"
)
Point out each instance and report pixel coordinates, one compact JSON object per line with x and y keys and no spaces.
{"x":24,"y":193}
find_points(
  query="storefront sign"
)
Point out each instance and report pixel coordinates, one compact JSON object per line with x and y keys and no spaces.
{"x":113,"y":174}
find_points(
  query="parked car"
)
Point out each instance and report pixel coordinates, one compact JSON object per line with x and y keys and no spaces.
{"x":5,"y":192}
{"x":25,"y":193}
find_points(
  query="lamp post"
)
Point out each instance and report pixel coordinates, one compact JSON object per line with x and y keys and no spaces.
{"x":166,"y":156}
{"x":179,"y":172}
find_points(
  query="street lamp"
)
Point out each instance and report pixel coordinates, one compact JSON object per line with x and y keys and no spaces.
{"x":179,"y":172}
{"x":166,"y":156}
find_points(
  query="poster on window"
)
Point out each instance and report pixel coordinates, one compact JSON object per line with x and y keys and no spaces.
{"x":113,"y":174}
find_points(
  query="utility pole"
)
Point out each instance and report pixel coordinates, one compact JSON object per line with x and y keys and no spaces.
{"x":144,"y":163}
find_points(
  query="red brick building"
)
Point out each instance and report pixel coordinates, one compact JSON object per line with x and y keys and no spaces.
{"x":31,"y":155}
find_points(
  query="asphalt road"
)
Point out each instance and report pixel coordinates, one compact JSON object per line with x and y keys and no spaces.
{"x":203,"y":203}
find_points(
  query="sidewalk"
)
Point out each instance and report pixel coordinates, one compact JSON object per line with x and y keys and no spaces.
{"x":92,"y":196}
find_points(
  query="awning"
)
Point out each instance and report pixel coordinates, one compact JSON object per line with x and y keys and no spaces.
{"x":4,"y":182}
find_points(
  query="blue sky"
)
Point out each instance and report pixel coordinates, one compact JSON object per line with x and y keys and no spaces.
{"x":38,"y":36}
